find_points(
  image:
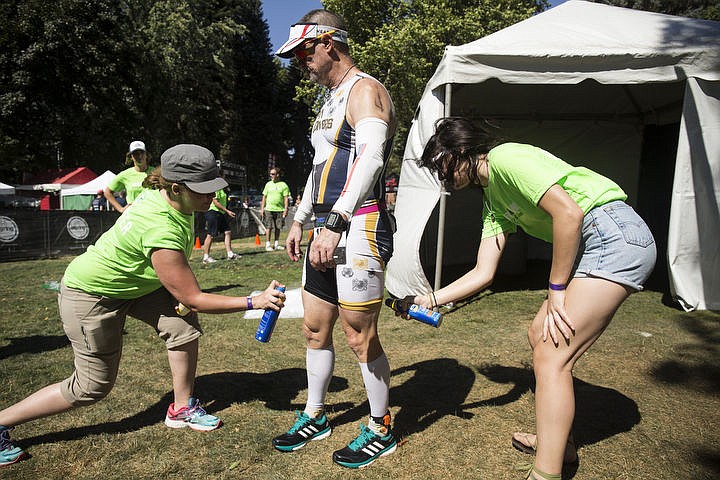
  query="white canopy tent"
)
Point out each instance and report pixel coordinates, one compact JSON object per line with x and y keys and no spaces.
{"x":610,"y":88}
{"x":79,"y":197}
{"x":6,"y":189}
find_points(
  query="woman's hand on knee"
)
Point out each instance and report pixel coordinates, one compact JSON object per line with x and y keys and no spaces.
{"x":557,"y":318}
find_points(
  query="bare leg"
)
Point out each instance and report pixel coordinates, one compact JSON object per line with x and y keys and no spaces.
{"x":228,"y":247}
{"x":183,"y":365}
{"x":43,"y":403}
{"x":361,"y":332}
{"x":207,"y":244}
{"x":268,"y":232}
{"x":591,"y":304}
{"x":319,"y":320}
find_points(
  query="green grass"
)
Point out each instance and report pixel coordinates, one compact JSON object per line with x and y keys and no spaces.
{"x":648,"y":403}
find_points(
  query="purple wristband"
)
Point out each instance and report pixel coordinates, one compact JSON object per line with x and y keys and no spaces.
{"x":556,"y":286}
{"x":249,"y":303}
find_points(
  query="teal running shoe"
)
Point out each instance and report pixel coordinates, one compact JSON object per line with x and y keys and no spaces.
{"x":9,"y":452}
{"x":366,"y":448}
{"x":191,"y":415}
{"x":304,"y":430}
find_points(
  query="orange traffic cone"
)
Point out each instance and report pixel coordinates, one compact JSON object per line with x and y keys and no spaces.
{"x":197,"y":243}
{"x":310,"y":233}
{"x":257,"y":239}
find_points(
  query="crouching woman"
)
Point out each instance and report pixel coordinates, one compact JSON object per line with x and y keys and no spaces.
{"x":139,"y":268}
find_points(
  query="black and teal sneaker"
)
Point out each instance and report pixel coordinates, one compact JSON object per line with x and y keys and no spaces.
{"x":304,"y":430}
{"x":366,"y":448}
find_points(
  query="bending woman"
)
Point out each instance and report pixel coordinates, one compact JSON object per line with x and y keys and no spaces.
{"x":139,"y":268}
{"x":602,"y":252}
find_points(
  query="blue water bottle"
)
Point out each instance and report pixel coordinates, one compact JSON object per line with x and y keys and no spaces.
{"x":415,"y":311}
{"x":267,"y":322}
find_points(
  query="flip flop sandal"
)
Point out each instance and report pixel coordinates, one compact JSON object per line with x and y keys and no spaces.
{"x":522,"y":447}
{"x":531,"y":448}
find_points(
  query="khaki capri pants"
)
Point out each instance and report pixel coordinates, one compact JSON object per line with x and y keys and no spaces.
{"x":94,"y":324}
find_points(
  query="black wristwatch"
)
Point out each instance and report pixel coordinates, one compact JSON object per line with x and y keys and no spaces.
{"x":335,"y":222}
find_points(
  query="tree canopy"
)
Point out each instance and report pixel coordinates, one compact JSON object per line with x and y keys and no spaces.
{"x":80,"y":79}
{"x":401,"y":42}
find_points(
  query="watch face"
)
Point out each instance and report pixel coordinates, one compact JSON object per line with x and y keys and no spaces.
{"x":334,"y":221}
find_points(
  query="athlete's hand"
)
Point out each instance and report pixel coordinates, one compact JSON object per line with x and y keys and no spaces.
{"x":322,"y":249}
{"x":557,"y":318}
{"x":292,"y":243}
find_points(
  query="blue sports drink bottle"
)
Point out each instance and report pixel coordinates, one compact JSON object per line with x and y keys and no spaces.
{"x":415,"y":311}
{"x":267,"y":322}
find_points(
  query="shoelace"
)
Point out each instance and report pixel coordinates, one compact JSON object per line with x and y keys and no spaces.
{"x":301,"y":421}
{"x":5,"y":441}
{"x":196,"y":411}
{"x":366,"y":435}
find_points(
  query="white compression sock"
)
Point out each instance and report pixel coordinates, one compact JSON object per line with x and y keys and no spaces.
{"x":320,"y":364}
{"x":376,"y":375}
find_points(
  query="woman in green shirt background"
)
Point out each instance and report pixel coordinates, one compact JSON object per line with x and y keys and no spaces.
{"x":130,"y":179}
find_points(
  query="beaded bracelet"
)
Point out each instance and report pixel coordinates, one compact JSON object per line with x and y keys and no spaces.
{"x":249,"y":303}
{"x":556,"y":286}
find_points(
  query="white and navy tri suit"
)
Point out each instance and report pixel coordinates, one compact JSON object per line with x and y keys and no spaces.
{"x":359,"y":283}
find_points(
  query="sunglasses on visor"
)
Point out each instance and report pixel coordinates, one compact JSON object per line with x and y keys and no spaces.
{"x":308,"y":47}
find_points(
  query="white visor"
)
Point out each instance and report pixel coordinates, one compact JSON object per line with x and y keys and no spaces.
{"x":303,"y":31}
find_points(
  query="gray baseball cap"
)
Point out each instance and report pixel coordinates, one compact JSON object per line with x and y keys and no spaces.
{"x":193,"y":166}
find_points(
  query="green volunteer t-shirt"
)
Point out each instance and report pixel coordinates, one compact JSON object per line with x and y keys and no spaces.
{"x":118,"y":265}
{"x":221,"y":197}
{"x":129,"y":180}
{"x":275,"y":193}
{"x":519,"y":177}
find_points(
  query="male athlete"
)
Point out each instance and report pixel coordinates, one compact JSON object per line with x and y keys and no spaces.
{"x":344,"y":271}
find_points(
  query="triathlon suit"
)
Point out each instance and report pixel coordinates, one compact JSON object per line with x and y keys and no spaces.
{"x":359,"y":282}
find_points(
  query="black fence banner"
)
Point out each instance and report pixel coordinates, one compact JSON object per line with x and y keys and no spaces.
{"x":34,"y":234}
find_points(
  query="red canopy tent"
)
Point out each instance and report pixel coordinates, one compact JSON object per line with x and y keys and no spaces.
{"x":49,"y":183}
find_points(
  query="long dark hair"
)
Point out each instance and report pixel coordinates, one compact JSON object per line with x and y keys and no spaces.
{"x":456,"y":141}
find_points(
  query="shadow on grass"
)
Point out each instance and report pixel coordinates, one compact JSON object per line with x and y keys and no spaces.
{"x":436,"y":389}
{"x":222,"y":288}
{"x":33,"y":344}
{"x":696,"y":365}
{"x":220,"y":390}
{"x":440,"y":387}
{"x":600,"y":412}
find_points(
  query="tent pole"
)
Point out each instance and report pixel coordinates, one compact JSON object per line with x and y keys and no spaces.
{"x":443,"y":201}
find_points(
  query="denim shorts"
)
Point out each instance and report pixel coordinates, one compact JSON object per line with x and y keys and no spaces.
{"x":616,"y":245}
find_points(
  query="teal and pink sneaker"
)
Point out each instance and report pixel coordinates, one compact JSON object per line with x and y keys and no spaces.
{"x":191,"y":415}
{"x":9,"y":453}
